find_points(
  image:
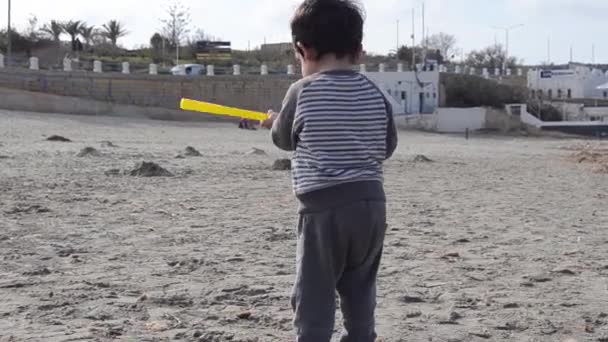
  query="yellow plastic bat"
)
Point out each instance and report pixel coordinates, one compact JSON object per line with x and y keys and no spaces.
{"x":210,"y":108}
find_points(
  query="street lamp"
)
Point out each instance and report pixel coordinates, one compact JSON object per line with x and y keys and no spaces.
{"x":507,"y":30}
{"x":8,"y":35}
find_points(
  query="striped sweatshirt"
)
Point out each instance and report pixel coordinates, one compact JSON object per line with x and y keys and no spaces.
{"x":341,"y":128}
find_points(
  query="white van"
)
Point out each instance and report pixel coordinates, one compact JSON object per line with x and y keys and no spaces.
{"x":188,"y":70}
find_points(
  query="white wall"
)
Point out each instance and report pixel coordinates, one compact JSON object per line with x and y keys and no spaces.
{"x":398,"y":84}
{"x":530,"y":119}
{"x":597,"y":112}
{"x":458,"y":120}
{"x":582,"y":81}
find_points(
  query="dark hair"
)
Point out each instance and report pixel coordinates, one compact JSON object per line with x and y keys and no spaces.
{"x":329,"y":26}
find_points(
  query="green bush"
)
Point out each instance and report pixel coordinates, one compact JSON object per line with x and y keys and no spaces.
{"x":474,"y":91}
{"x":547,"y":112}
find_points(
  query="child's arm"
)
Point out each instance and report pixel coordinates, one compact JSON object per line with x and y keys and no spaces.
{"x":282,"y":127}
{"x":391,"y":132}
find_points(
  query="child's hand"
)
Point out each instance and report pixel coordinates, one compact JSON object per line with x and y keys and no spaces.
{"x":270,"y":121}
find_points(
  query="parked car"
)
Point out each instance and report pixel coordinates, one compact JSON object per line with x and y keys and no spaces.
{"x":188,"y":70}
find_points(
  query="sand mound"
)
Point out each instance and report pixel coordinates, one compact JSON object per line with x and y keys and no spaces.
{"x":256,"y":152}
{"x":58,"y":138}
{"x":282,"y":165}
{"x":595,"y":156}
{"x":422,"y":159}
{"x":148,"y":169}
{"x":107,"y":144}
{"x":192,"y":152}
{"x":88,"y":152}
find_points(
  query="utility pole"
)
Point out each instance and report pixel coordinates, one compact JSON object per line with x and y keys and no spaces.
{"x":571,"y":54}
{"x":397,"y":50}
{"x":8,"y":35}
{"x":423,"y":38}
{"x":549,"y":50}
{"x":413,"y":39}
{"x":507,"y":31}
{"x":592,"y":53}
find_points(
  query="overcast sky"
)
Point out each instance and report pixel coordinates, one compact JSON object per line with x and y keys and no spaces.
{"x":576,"y":23}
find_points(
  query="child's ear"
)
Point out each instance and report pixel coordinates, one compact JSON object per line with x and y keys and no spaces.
{"x":307,"y":54}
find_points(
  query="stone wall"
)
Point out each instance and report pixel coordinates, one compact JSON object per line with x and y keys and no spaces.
{"x":250,"y":92}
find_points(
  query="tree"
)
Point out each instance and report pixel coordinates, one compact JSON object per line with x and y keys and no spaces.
{"x":114,"y":30}
{"x":87,"y":33}
{"x":443,"y":42}
{"x":435,"y":55}
{"x":73,"y":29}
{"x":157,"y":44}
{"x":405,"y":53}
{"x":491,"y":57}
{"x":176,"y":24}
{"x":32,"y":28}
{"x":54,"y":29}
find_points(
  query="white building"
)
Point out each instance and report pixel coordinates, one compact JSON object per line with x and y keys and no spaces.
{"x":409,"y":92}
{"x":576,"y":82}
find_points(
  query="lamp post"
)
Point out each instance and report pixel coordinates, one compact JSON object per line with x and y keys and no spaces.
{"x":507,"y":31}
{"x":8,"y":36}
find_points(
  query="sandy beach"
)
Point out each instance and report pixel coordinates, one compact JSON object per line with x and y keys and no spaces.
{"x":494,"y":239}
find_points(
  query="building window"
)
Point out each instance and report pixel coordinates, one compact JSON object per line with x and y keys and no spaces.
{"x":403,"y":95}
{"x":559,"y":93}
{"x":540,"y":93}
{"x":533,"y":94}
{"x":428,"y":95}
{"x":550,"y":94}
{"x":569,"y":93}
{"x":389,"y":92}
{"x":435,"y":95}
{"x":606,"y":94}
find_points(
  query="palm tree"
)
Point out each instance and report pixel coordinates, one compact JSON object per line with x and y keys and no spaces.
{"x":53,"y":29}
{"x":113,"y":30}
{"x":87,"y":33}
{"x":73,"y":29}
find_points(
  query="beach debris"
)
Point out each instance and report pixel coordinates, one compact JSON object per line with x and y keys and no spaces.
{"x":158,"y":326}
{"x":563,"y":270}
{"x":27,"y":209}
{"x":422,"y":159}
{"x":450,"y":318}
{"x":88,"y":152}
{"x":413,"y":314}
{"x":112,"y":172}
{"x":413,"y":298}
{"x":244,"y":314}
{"x":149,"y":169}
{"x":483,"y":333}
{"x":282,"y":165}
{"x":539,"y":278}
{"x":450,"y":255}
{"x":256,"y":152}
{"x":58,"y":138}
{"x":107,"y":143}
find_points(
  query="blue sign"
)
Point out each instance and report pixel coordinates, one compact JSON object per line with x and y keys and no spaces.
{"x":546,"y":74}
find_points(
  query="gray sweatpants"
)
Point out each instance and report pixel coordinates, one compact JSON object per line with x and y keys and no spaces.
{"x":338,"y":249}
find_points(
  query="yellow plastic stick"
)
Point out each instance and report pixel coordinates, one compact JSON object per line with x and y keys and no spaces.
{"x":210,"y":108}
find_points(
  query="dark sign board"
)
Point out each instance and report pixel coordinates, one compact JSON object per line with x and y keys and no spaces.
{"x":213,"y":50}
{"x":546,"y":74}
